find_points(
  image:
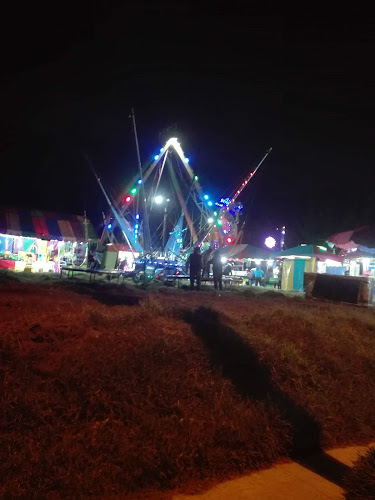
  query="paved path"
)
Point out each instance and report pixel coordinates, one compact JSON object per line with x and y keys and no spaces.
{"x":316,"y":478}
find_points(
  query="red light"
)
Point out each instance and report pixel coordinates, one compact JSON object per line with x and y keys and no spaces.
{"x":128,"y":199}
{"x":229,"y":240}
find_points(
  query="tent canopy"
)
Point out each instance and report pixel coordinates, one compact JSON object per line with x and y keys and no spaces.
{"x":359,"y":254}
{"x":45,"y":225}
{"x":246,"y":252}
{"x":362,"y":238}
{"x":306,"y":251}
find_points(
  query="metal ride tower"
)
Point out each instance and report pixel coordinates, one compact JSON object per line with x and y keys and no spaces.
{"x":165,"y":212}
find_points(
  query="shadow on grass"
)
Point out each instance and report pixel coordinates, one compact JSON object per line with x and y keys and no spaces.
{"x":106,"y":293}
{"x":252,"y":380}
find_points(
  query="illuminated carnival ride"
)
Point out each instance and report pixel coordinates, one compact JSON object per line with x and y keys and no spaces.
{"x":164,"y":212}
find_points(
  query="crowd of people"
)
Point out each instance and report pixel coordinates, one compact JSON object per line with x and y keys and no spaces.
{"x":198,"y":265}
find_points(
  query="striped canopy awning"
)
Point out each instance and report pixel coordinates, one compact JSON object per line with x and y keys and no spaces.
{"x":45,"y":225}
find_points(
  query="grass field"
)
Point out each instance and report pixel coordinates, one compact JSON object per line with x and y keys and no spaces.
{"x":113,"y":392}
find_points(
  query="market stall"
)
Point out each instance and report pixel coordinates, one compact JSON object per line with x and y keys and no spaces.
{"x":245,"y":257}
{"x":119,"y":256}
{"x":42,"y":241}
{"x":306,"y":259}
{"x":358,"y":250}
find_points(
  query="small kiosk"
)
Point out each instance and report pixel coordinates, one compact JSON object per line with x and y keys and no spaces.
{"x":306,"y":259}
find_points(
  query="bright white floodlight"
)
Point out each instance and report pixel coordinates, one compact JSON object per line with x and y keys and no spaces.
{"x":270,"y":242}
{"x":158,"y":199}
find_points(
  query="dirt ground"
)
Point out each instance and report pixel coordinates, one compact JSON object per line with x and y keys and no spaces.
{"x":114,"y":392}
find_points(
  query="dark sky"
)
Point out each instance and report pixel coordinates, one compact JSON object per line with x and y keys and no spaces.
{"x":233,"y":80}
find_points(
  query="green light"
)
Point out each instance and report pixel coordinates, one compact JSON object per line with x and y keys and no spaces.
{"x":219,"y":223}
{"x":215,"y":213}
{"x":195,"y":177}
{"x":133,"y":191}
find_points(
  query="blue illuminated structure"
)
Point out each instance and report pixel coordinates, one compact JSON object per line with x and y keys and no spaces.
{"x":174,"y":243}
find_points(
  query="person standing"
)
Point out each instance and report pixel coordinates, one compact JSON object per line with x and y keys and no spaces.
{"x":228,"y":270}
{"x":217,"y":268}
{"x":194,"y":263}
{"x":280,"y":276}
{"x":206,"y":256}
{"x":258,"y":275}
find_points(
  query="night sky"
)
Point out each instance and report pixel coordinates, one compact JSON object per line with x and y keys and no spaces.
{"x":228,"y":82}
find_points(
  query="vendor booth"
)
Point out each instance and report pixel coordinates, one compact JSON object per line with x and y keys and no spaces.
{"x":306,"y":259}
{"x":358,"y":250}
{"x":42,"y":241}
{"x":244,"y":257}
{"x":119,"y":256}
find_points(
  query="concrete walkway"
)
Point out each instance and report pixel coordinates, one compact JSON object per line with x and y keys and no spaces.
{"x":315,"y":478}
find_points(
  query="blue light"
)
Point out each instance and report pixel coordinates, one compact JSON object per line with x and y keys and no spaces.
{"x":209,"y":203}
{"x":161,"y":150}
{"x":139,"y":181}
{"x":187,"y":160}
{"x":136,"y":226}
{"x":206,"y":196}
{"x":137,"y":216}
{"x":109,"y":226}
{"x":156,"y":157}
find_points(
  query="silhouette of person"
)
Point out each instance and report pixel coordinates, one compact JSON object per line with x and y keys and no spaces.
{"x":217,"y":267}
{"x":194,"y":262}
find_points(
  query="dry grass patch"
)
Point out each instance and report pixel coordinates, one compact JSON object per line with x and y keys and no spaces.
{"x":360,"y":481}
{"x":101,"y":401}
{"x":323,"y":357}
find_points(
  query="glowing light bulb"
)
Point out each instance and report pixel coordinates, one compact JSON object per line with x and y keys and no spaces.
{"x":210,"y":220}
{"x":156,"y":157}
{"x":270,"y":242}
{"x":206,"y":196}
{"x":209,"y":203}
